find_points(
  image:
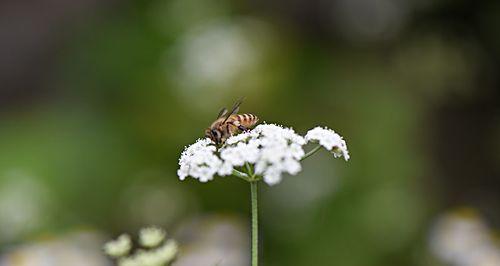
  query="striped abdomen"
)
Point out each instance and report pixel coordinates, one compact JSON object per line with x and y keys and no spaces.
{"x":245,"y":120}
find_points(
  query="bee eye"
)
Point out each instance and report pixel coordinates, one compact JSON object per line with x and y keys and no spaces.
{"x":215,"y":133}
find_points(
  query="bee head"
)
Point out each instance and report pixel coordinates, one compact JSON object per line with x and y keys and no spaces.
{"x":214,"y":134}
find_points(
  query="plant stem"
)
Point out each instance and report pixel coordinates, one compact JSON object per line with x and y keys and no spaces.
{"x":241,"y":175}
{"x":255,"y":224}
{"x":250,"y":171}
{"x":311,"y":152}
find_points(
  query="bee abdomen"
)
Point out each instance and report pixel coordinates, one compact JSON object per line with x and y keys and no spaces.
{"x":247,"y":119}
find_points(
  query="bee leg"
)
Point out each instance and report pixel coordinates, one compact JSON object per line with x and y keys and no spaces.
{"x":238,"y":125}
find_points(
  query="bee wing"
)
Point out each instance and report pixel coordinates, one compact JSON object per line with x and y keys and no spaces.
{"x":222,"y":112}
{"x":236,"y":108}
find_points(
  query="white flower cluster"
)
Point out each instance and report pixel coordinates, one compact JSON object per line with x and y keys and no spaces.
{"x":119,"y":247}
{"x":153,"y":254}
{"x":271,"y":149}
{"x":463,"y":239}
{"x":151,"y":236}
{"x":155,"y":257}
{"x":199,"y":161}
{"x":329,"y":140}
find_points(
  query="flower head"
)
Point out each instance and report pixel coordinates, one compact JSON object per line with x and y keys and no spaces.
{"x":151,"y":236}
{"x":461,"y":237}
{"x":329,"y":140}
{"x":155,"y":257}
{"x":199,"y":161}
{"x":149,"y":254}
{"x":119,"y":247}
{"x":271,"y":148}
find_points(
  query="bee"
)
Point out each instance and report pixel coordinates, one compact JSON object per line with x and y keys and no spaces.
{"x":229,"y":123}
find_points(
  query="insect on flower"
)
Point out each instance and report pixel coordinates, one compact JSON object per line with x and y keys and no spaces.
{"x":264,"y":153}
{"x":228,"y":124}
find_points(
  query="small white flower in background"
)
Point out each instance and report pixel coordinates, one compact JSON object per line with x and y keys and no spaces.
{"x":163,"y":254}
{"x":329,"y":140}
{"x":119,"y":247}
{"x":271,"y":149}
{"x":461,"y":238}
{"x":149,"y":255}
{"x":151,"y":236}
{"x":155,"y":257}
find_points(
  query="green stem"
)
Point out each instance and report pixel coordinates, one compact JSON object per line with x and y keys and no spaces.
{"x":311,"y":152}
{"x":255,"y":224}
{"x":241,"y":175}
{"x":249,"y":171}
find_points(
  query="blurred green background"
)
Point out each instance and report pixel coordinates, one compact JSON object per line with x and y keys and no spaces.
{"x":98,"y":99}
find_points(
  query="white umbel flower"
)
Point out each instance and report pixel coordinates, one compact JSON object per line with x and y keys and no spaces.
{"x":164,"y":254}
{"x":160,"y":256}
{"x":329,"y":140}
{"x":199,"y":161}
{"x":272,"y":149}
{"x":119,"y":247}
{"x":151,"y":236}
{"x":462,"y":238}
